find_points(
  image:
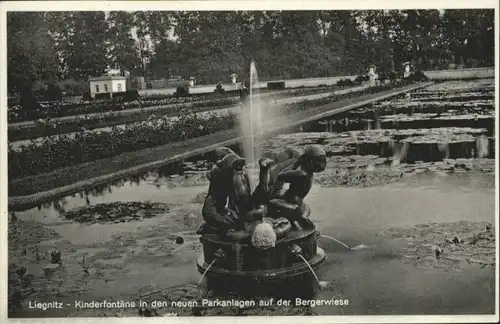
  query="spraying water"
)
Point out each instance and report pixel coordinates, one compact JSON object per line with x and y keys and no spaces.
{"x":310,"y":268}
{"x":205,"y":272}
{"x":357,"y":247}
{"x":255,"y":109}
{"x":251,"y":120}
{"x":335,"y":240}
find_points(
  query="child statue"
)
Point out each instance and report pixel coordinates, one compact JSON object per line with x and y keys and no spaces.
{"x":300,"y":178}
{"x":215,"y":213}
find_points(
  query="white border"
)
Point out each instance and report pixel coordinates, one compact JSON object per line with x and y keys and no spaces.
{"x":229,"y":5}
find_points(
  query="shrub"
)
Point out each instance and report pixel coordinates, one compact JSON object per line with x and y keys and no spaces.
{"x":39,"y":88}
{"x":100,"y":96}
{"x":53,"y":93}
{"x":276,"y":85}
{"x":361,"y":78}
{"x":416,"y":76}
{"x":182,"y":91}
{"x":382,"y":77}
{"x":132,"y":95}
{"x":219,"y":89}
{"x":345,"y":82}
{"x":127,"y":96}
{"x":86,"y":96}
{"x":74,"y":88}
{"x":420,"y":76}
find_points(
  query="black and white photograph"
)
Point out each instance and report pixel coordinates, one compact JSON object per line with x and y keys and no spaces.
{"x":240,"y":158}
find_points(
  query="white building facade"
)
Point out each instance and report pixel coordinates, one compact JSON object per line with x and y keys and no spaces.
{"x":108,"y":84}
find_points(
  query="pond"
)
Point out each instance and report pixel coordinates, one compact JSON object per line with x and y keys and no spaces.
{"x":124,"y":238}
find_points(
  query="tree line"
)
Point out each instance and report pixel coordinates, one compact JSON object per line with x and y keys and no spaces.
{"x":55,"y":46}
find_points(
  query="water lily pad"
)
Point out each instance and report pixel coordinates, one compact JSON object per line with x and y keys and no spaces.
{"x":117,"y":212}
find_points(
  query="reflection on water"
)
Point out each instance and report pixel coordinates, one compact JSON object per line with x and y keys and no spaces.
{"x":482,"y":145}
{"x":159,"y":185}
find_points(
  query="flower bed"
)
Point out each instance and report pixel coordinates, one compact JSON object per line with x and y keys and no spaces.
{"x":53,"y":110}
{"x":54,"y":153}
{"x":44,"y":128}
{"x":56,"y":109}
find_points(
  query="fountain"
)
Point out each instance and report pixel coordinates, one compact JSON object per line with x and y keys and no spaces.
{"x":261,"y":242}
{"x":251,"y":120}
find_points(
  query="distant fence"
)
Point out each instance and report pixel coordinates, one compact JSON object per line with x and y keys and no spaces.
{"x":475,"y":73}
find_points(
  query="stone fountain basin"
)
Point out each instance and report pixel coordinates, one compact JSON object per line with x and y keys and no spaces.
{"x":252,"y":271}
{"x":242,"y":256}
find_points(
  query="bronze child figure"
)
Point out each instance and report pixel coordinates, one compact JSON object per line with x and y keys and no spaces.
{"x":300,"y":178}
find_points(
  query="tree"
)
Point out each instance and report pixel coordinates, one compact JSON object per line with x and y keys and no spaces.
{"x":89,"y":55}
{"x":122,"y":49}
{"x":469,"y":33}
{"x":61,"y":28}
{"x":163,"y":61}
{"x":31,"y":55}
{"x":212,"y":45}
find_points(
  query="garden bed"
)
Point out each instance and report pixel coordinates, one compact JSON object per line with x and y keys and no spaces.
{"x":54,"y":153}
{"x":80,"y":124}
{"x":104,"y":170}
{"x":54,"y":110}
{"x":64,"y":125}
